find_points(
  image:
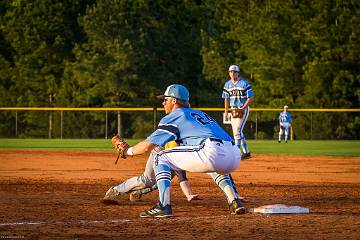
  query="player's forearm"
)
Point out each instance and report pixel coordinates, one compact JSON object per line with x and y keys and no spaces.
{"x":226,"y":105}
{"x":141,"y":148}
{"x":185,"y":187}
{"x":246,"y":104}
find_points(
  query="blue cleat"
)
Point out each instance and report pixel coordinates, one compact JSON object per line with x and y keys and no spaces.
{"x":157,"y":211}
{"x":246,"y":156}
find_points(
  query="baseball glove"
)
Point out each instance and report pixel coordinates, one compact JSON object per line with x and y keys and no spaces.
{"x":120,"y":146}
{"x":237,"y":113}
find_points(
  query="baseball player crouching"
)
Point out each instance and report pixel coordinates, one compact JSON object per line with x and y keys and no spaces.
{"x":203,"y":147}
{"x":237,"y":95}
{"x":284,"y":123}
{"x":146,"y":183}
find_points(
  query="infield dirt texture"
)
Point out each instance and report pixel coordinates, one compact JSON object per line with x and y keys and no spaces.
{"x":56,"y":194}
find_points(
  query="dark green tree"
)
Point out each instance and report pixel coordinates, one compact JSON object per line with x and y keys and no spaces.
{"x":87,"y":53}
{"x":133,"y":49}
{"x":332,"y":69}
{"x":39,"y":36}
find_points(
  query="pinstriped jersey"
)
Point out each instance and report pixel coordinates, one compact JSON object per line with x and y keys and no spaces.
{"x":285,"y":117}
{"x":187,"y":126}
{"x":237,"y":92}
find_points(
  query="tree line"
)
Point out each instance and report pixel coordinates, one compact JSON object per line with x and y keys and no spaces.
{"x":122,"y":53}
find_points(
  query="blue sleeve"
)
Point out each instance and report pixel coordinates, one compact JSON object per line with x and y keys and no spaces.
{"x":160,"y":137}
{"x":166,"y":131}
{"x":249,"y":91}
{"x":225,"y":93}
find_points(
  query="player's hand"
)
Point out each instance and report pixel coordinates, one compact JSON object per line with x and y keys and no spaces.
{"x":193,"y":197}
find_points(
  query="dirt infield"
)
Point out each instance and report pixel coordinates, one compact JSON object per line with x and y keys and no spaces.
{"x":55,"y":195}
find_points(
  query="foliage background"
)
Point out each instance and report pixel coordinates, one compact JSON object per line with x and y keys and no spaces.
{"x":122,"y":53}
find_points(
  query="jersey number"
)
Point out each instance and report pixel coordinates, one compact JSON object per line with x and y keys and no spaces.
{"x":204,"y":120}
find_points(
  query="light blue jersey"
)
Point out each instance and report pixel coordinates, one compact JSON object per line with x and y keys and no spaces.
{"x":285,"y":124}
{"x":237,"y":92}
{"x":285,"y":118}
{"x":187,"y":127}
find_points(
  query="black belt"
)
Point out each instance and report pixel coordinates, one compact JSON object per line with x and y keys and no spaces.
{"x":220,"y":141}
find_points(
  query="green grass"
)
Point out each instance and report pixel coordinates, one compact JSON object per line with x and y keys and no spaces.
{"x":59,"y":144}
{"x":316,"y":147}
{"x":302,"y":147}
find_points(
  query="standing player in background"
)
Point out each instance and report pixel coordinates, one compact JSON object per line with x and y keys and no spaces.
{"x":203,"y":147}
{"x":237,"y":95}
{"x":284,"y":123}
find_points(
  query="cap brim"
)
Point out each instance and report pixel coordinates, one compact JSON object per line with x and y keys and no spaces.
{"x":161,"y":97}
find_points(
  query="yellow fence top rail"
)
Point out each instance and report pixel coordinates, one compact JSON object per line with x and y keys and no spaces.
{"x":74,"y":109}
{"x":162,"y":109}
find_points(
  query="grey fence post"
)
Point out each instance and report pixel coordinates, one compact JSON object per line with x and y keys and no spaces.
{"x":154,"y":118}
{"x":311,"y":127}
{"x":61,"y":124}
{"x":16,"y":124}
{"x":106,"y":124}
{"x":119,"y":123}
{"x":256,"y":124}
{"x":50,"y":124}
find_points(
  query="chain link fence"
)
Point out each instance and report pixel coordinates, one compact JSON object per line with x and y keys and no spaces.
{"x":307,"y":124}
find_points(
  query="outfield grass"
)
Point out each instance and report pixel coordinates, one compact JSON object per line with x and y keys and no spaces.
{"x":302,"y":147}
{"x":59,"y":144}
{"x":316,"y":147}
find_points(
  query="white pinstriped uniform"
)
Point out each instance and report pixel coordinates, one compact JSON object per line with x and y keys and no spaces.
{"x":285,"y":123}
{"x":203,"y":147}
{"x":238,"y":93}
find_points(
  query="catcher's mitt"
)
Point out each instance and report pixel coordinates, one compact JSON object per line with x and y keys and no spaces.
{"x":120,"y":146}
{"x":237,"y":113}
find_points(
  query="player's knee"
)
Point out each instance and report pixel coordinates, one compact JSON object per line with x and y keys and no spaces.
{"x":147,"y":181}
{"x":154,"y":155}
{"x":181,"y":175}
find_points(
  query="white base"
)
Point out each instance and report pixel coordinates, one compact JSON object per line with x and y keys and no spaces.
{"x":279,"y":208}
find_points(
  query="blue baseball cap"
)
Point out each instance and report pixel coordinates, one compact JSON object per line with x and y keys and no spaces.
{"x":176,"y":91}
